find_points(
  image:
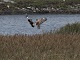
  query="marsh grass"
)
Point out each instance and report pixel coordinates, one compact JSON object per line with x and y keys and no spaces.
{"x":46,"y":46}
{"x":70,"y":28}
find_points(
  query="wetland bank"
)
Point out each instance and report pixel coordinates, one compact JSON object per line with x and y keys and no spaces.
{"x":62,"y":45}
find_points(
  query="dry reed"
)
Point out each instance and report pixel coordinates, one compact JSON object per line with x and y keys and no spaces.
{"x":40,"y":47}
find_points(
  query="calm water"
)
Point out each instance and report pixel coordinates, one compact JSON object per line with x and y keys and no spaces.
{"x":18,"y":24}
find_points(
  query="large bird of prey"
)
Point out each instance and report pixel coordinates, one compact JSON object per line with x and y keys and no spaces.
{"x":38,"y":21}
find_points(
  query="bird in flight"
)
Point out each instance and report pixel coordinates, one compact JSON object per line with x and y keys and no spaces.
{"x":37,"y":23}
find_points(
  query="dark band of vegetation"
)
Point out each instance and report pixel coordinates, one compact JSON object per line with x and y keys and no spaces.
{"x":70,"y":28}
{"x":40,"y":6}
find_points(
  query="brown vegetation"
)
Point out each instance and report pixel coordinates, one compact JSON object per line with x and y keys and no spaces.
{"x":40,"y":47}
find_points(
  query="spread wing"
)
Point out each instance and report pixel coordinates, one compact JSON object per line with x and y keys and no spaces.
{"x":40,"y":21}
{"x":31,"y":22}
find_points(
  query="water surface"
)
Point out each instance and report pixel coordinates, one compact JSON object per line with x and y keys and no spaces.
{"x":18,"y":24}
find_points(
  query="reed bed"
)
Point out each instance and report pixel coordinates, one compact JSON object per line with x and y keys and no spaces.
{"x":40,"y":47}
{"x":47,"y":46}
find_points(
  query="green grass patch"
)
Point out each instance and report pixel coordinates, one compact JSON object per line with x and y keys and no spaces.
{"x":70,"y":28}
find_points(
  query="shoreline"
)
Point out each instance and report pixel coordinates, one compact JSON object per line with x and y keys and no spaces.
{"x":56,"y":12}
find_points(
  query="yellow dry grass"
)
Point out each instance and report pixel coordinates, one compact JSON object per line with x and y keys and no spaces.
{"x":40,"y":47}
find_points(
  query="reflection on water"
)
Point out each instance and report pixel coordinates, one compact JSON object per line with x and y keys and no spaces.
{"x":18,"y":24}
